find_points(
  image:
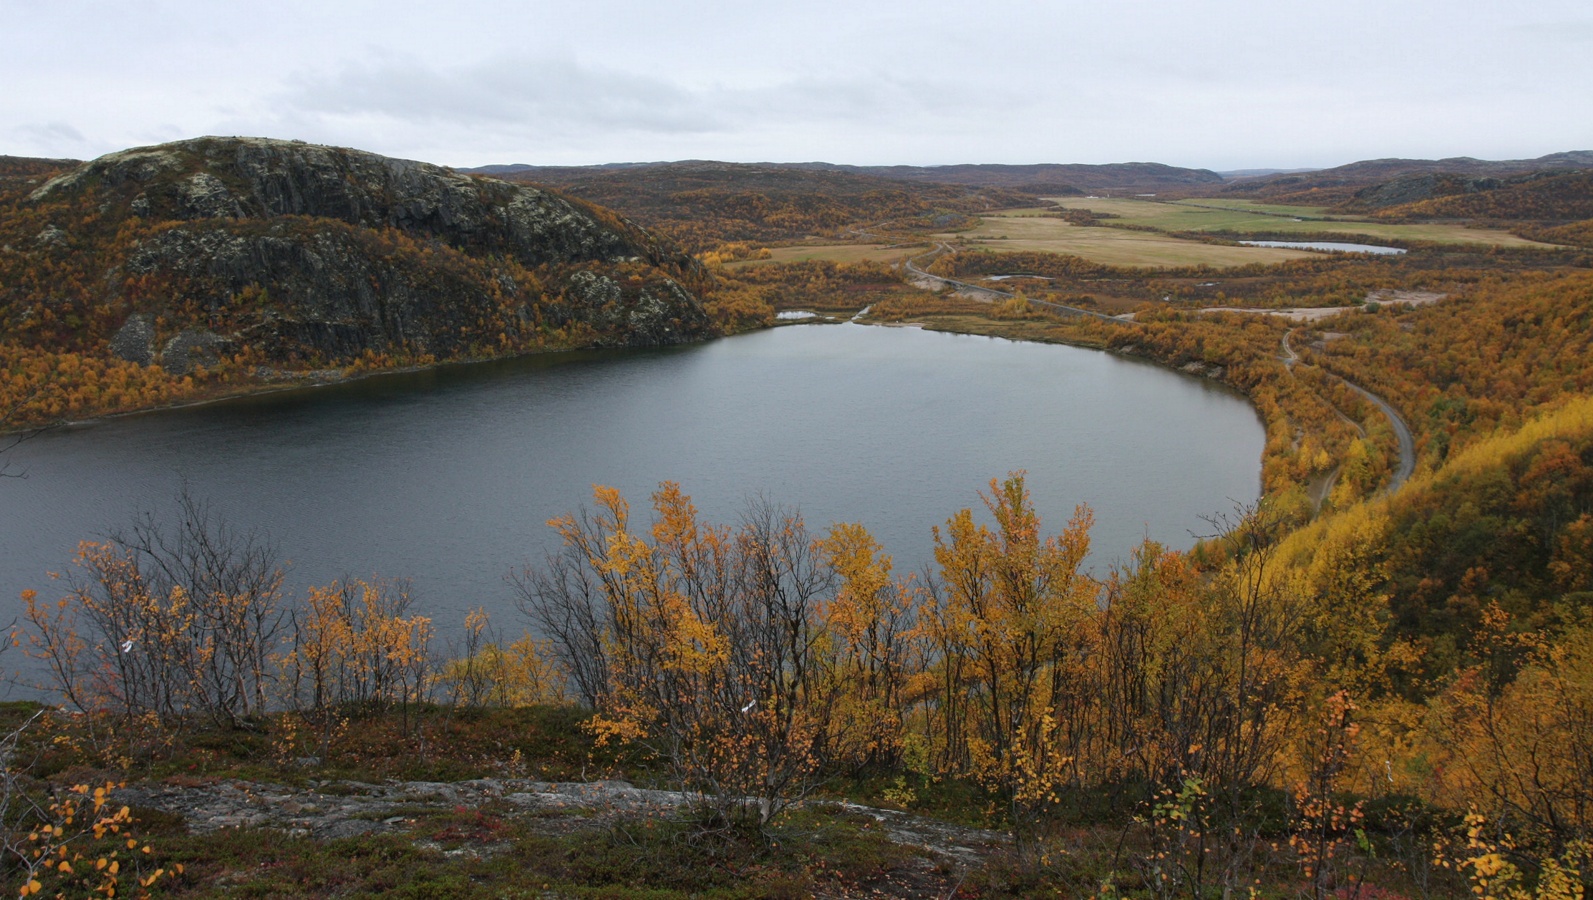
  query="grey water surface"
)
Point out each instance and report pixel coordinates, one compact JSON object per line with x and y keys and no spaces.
{"x":448,"y":476}
{"x":1329,"y":246}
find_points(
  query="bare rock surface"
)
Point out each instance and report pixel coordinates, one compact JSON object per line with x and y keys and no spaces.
{"x":333,"y":809}
{"x":135,"y":340}
{"x":301,"y":252}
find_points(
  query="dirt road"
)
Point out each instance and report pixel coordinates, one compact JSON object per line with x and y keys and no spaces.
{"x":1402,"y":433}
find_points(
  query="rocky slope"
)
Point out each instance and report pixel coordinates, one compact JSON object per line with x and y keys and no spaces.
{"x":281,"y":253}
{"x":706,"y":204}
{"x":1042,"y":178}
{"x":1412,"y":179}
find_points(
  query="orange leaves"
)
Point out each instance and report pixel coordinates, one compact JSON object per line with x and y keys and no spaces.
{"x":864,"y":571}
{"x":77,"y":848}
{"x":355,"y":645}
{"x":698,"y":641}
{"x":873,"y":651}
{"x":1009,"y":627}
{"x":1572,"y":563}
{"x":1511,"y":735}
{"x":39,"y":386}
{"x":165,"y":621}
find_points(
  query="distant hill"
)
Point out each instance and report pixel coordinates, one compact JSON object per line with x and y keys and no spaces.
{"x":289,"y":253}
{"x":1042,"y":178}
{"x":1550,"y":196}
{"x":1048,"y":178}
{"x":703,"y":204}
{"x":14,"y":169}
{"x":1240,"y":174}
{"x":1328,"y":187}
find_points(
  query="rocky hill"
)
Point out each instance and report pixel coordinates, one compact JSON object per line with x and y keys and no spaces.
{"x":705,"y":204}
{"x":1552,"y":196}
{"x":270,"y":253}
{"x":1341,"y":184}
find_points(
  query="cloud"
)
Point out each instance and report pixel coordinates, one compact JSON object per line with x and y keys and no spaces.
{"x":540,"y":103}
{"x":504,"y":90}
{"x":50,"y":134}
{"x":1579,"y":31}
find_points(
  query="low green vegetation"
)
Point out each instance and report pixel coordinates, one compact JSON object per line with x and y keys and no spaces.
{"x":838,"y":253}
{"x":1256,"y":206}
{"x":1232,"y":217}
{"x":1110,"y":246}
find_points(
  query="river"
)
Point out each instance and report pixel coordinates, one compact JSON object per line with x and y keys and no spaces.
{"x":449,"y":476}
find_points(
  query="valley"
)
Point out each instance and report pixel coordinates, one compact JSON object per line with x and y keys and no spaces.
{"x":1267,"y":596}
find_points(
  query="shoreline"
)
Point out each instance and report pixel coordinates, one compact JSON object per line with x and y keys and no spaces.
{"x":305,"y":383}
{"x":309,"y":382}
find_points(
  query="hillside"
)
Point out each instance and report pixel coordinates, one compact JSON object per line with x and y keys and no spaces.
{"x":1052,"y":178}
{"x":1548,"y":196}
{"x":1360,"y":686}
{"x":14,"y":167}
{"x":249,"y":258}
{"x":1039,"y":178}
{"x":704,"y":204}
{"x":1340,"y":184}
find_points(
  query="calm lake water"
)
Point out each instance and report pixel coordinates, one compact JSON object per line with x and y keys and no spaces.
{"x":448,"y":477}
{"x":1331,"y":246}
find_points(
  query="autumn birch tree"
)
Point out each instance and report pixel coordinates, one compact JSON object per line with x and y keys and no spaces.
{"x":1010,"y":623}
{"x":699,"y":642}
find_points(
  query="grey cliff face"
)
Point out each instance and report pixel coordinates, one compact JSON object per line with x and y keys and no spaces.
{"x":300,"y":248}
{"x":258,"y":178}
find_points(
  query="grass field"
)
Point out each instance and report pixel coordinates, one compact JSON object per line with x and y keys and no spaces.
{"x":1023,"y":230}
{"x":1239,"y":216}
{"x":1257,"y":206}
{"x":841,"y":253}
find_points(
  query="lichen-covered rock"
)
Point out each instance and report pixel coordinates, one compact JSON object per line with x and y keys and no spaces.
{"x":204,"y":196}
{"x":314,"y":255}
{"x":50,"y":236}
{"x":135,"y":340}
{"x":262,"y":178}
{"x":191,"y":348}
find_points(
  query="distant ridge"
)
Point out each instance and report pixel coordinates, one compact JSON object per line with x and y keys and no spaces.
{"x":1341,"y":183}
{"x":1044,"y":177}
{"x":1038,"y":178}
{"x":703,"y":204}
{"x":30,"y":166}
{"x":1236,"y":174}
{"x":1319,"y":186}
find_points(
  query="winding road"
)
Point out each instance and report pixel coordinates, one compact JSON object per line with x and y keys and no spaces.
{"x":1402,"y":433}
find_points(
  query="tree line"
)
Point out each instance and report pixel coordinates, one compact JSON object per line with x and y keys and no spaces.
{"x":1183,"y":692}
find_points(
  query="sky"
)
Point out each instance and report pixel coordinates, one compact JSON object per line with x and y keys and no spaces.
{"x":1219,"y":84}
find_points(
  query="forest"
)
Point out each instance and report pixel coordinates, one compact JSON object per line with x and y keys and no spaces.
{"x":1346,"y":690}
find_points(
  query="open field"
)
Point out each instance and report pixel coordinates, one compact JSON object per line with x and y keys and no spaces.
{"x":1113,"y":246}
{"x":1256,"y":206}
{"x":841,"y":253}
{"x":1238,"y":216}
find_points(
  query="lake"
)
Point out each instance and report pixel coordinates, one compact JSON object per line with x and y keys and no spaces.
{"x":448,"y":476}
{"x":1329,"y":246}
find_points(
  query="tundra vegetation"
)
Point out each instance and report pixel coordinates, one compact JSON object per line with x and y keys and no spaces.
{"x":1344,"y":691}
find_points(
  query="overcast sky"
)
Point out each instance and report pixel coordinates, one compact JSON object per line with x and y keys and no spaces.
{"x":1224,"y":84}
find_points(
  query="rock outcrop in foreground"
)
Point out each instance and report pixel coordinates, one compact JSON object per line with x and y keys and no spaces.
{"x":201,"y":252}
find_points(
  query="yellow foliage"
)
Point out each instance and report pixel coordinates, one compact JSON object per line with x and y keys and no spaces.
{"x":1009,"y":632}
{"x":353,"y":644}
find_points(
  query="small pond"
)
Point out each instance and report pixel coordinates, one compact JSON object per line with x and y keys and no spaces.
{"x":1328,"y":247}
